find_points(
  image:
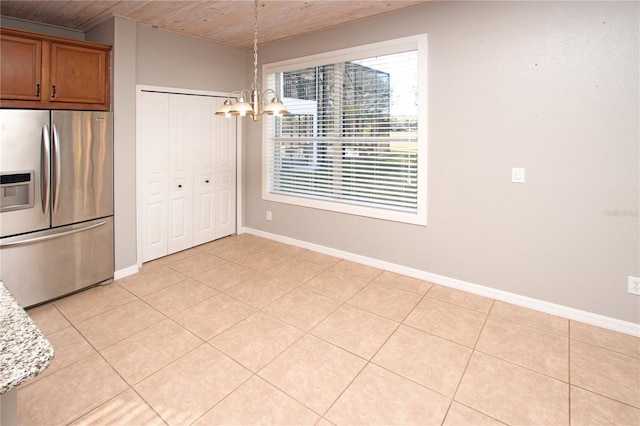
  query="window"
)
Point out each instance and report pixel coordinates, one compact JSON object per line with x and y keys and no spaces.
{"x":355,"y":141}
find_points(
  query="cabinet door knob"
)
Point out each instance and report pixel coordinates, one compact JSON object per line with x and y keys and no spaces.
{"x":206,"y":181}
{"x":179,"y":186}
{"x":38,"y":90}
{"x":53,"y":91}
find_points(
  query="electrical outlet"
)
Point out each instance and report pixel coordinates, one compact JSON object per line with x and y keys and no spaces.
{"x":269,"y":215}
{"x":634,"y":285}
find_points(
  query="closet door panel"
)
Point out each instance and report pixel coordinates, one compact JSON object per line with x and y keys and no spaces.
{"x":225,"y":191}
{"x":178,"y":227}
{"x":154,"y":174}
{"x":204,"y":218}
{"x":225,"y":216}
{"x":203,"y":221}
{"x":181,"y":122}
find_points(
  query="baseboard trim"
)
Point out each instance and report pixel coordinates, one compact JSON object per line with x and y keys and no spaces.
{"x":598,"y":320}
{"x":125,"y":272}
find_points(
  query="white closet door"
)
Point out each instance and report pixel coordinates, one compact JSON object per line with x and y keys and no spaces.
{"x":181,"y":135}
{"x":203,"y":170}
{"x":188,"y":176}
{"x":225,"y":175}
{"x":154,"y":173}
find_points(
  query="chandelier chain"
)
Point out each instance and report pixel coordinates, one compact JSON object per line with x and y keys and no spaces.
{"x":255,"y":45}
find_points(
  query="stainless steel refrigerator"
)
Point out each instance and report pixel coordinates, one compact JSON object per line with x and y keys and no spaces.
{"x":56,"y":202}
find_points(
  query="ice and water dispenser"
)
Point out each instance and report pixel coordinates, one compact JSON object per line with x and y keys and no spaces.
{"x":16,"y":190}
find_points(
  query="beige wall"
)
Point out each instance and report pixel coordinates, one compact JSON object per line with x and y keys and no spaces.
{"x":121,"y":34}
{"x":551,"y":87}
{"x":172,"y":60}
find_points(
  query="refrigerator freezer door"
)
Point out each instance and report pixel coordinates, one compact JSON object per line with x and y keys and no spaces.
{"x":23,"y":155}
{"x":45,"y":265}
{"x":82,"y":166}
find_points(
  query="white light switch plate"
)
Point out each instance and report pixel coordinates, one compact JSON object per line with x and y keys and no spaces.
{"x":517,"y":175}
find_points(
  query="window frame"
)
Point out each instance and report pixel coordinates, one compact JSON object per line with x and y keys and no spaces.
{"x":418,"y":43}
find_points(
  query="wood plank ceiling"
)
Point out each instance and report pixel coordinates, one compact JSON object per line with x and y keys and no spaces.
{"x":224,"y":21}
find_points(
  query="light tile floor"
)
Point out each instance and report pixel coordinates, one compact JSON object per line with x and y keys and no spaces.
{"x":244,"y":330}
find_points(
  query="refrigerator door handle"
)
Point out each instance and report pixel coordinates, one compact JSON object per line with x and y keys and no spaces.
{"x":56,"y":168}
{"x":49,"y":237}
{"x":45,"y":171}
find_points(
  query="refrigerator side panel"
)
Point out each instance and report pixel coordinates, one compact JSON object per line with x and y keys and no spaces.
{"x":45,"y":265}
{"x":23,"y":154}
{"x":82,"y":166}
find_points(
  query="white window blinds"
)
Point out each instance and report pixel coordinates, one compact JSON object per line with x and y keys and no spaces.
{"x":351,"y":138}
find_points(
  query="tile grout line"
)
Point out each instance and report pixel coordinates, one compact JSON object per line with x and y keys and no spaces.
{"x":464,"y":370}
{"x":569,"y":370}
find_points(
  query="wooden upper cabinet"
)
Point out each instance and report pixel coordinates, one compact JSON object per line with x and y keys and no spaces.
{"x":40,"y":71}
{"x":20,"y":68}
{"x":78,"y":74}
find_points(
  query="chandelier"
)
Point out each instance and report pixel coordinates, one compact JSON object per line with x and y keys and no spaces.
{"x":257,"y":104}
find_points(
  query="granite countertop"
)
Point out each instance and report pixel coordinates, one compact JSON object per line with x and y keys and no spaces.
{"x":24,"y":351}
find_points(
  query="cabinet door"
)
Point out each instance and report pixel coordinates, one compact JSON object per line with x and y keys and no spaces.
{"x":78,"y":74}
{"x":20,"y":68}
